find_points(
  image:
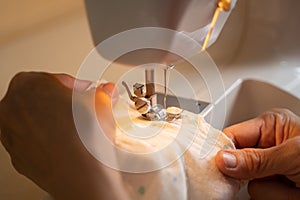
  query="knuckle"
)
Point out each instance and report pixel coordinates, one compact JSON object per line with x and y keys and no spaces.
{"x":279,"y":111}
{"x":22,"y":79}
{"x":16,"y":84}
{"x":18,"y":79}
{"x":19,"y":86}
{"x":277,"y":115}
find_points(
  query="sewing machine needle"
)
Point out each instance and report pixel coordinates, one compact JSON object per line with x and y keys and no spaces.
{"x":169,"y":67}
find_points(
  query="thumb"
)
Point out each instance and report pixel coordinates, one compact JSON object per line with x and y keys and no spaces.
{"x":256,"y":163}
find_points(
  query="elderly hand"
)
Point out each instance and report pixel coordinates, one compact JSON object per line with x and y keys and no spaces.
{"x":269,"y":154}
{"x":38,"y":131}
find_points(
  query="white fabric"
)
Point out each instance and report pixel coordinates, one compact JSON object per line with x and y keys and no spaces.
{"x":193,"y":176}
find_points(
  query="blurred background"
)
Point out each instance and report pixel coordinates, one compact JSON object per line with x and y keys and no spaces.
{"x":44,"y":35}
{"x":50,"y":35}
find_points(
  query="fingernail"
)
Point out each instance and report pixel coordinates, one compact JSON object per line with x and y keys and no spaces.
{"x":229,"y":160}
{"x":96,"y":84}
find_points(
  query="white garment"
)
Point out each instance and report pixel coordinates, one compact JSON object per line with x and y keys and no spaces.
{"x":192,"y":176}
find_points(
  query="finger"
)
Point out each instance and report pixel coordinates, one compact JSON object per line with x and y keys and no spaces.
{"x":245,"y":134}
{"x":108,"y":88}
{"x":257,"y":163}
{"x":103,"y":106}
{"x":106,"y":95}
{"x":72,"y":83}
{"x":112,"y":91}
{"x":82,"y":85}
{"x":269,"y":129}
{"x":275,"y":190}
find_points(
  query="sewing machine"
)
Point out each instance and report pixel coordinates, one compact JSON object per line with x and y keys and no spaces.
{"x":188,"y":25}
{"x":260,"y":34}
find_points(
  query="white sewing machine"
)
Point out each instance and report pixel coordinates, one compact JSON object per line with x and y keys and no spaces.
{"x":167,"y":31}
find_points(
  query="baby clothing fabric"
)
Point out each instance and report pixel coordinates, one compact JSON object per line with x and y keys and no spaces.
{"x":171,"y":160}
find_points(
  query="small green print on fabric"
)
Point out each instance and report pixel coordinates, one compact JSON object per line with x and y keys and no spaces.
{"x":141,"y":190}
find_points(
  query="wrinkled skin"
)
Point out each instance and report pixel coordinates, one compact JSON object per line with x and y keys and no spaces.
{"x":38,"y":131}
{"x":268,"y":154}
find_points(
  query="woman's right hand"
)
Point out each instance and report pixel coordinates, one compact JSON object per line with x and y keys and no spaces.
{"x":267,"y":145}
